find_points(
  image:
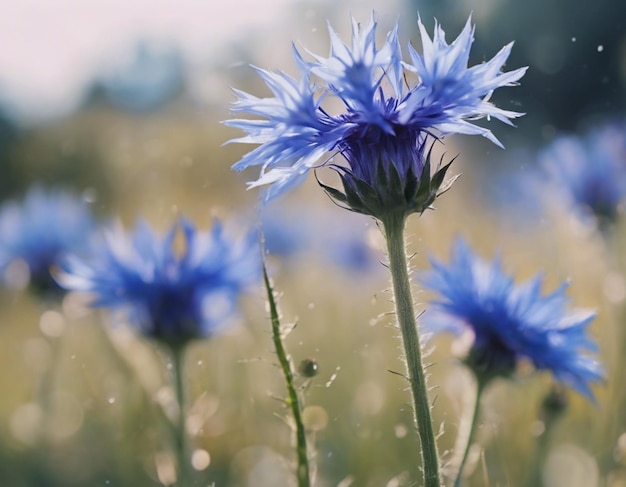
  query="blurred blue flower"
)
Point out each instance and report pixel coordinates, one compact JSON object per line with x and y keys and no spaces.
{"x":383,"y":126}
{"x":291,"y":232}
{"x":286,"y":233}
{"x":351,"y":251}
{"x":171,"y":296}
{"x":36,"y":233}
{"x":591,"y":170}
{"x":510,"y":322}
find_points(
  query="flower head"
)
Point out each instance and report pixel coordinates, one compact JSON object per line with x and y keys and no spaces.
{"x":590,"y":170}
{"x":36,"y":233}
{"x":510,"y":322}
{"x":172,"y":297}
{"x":383,"y":128}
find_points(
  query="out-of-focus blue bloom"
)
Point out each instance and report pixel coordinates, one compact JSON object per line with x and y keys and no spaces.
{"x":170,"y":296}
{"x":510,"y":322}
{"x":36,"y":233}
{"x":590,"y":170}
{"x":151,"y":77}
{"x":294,"y":232}
{"x":382,"y":127}
{"x":351,"y":251}
{"x":286,"y":233}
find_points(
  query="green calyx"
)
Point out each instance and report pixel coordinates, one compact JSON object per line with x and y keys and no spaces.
{"x":391,"y":192}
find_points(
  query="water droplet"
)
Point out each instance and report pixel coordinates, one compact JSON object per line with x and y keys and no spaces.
{"x":200,"y":459}
{"x":308,"y":367}
{"x":332,"y":377}
{"x":400,"y":430}
{"x":52,"y":324}
{"x":573,"y":39}
{"x":600,"y":48}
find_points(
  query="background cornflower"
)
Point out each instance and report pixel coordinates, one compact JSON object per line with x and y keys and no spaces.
{"x":589,"y":171}
{"x":508,"y":323}
{"x":172,"y":297}
{"x":298,"y":232}
{"x":37,"y":232}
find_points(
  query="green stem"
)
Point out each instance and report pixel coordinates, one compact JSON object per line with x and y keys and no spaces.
{"x":469,"y":433}
{"x":180,"y":432}
{"x":302,"y":472}
{"x":393,"y":226}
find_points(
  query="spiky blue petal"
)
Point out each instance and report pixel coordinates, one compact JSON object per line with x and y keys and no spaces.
{"x":168,"y":295}
{"x":511,"y":322}
{"x":358,"y":107}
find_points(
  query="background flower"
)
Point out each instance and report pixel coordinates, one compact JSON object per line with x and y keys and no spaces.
{"x":36,"y":233}
{"x":589,"y":171}
{"x":510,"y":322}
{"x":173,"y":297}
{"x":302,"y":234}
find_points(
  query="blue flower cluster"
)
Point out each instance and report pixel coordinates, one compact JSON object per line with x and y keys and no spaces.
{"x":590,"y":170}
{"x":510,"y":322}
{"x":383,"y":127}
{"x":36,"y":233}
{"x":172,"y":297}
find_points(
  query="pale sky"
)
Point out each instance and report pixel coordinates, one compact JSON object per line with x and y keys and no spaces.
{"x":50,"y":50}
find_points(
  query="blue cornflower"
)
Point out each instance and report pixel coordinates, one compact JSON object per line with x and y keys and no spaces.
{"x":590,"y":170}
{"x":37,"y":232}
{"x":170,"y":296}
{"x":383,"y":128}
{"x":510,"y":322}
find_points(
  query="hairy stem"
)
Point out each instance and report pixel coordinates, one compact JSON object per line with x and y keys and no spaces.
{"x":393,"y":226}
{"x":293,"y":400}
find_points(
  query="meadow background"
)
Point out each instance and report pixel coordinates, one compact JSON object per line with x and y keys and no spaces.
{"x":121,"y":104}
